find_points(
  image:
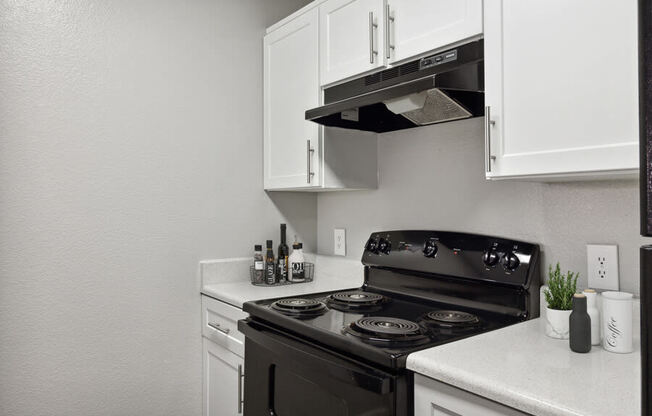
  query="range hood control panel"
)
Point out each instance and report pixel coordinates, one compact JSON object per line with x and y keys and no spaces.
{"x":439,"y":59}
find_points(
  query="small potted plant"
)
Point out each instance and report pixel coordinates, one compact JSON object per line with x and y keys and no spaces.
{"x":559,"y":296}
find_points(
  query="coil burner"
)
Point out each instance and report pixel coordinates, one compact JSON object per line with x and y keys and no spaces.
{"x":300,"y":308}
{"x":356,"y":300}
{"x":450,"y":321}
{"x":387,"y":330}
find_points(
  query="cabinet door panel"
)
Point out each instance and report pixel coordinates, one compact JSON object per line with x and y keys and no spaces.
{"x":424,"y":25}
{"x":221,"y":380}
{"x":291,"y":87}
{"x":346,"y":36}
{"x":561,"y":81}
{"x":434,"y":398}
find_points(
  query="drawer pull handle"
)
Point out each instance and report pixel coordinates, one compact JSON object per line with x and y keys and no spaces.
{"x":217,"y":326}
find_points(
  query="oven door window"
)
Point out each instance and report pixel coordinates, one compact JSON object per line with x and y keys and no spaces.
{"x":286,"y":377}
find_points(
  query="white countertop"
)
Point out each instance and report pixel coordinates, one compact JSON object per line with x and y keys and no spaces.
{"x":521,"y":367}
{"x":237,"y":293}
{"x":228,"y":279}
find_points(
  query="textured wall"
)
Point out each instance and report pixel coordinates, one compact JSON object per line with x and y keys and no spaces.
{"x":127,"y":154}
{"x":433,"y":178}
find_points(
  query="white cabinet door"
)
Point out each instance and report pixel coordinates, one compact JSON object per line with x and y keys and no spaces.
{"x":420,"y":26}
{"x":561,"y":84}
{"x":223,"y":381}
{"x":350,"y":38}
{"x":291,"y":86}
{"x":433,"y":398}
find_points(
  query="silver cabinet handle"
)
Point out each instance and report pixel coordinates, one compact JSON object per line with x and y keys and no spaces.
{"x":309,"y":153}
{"x":240,"y":399}
{"x":488,"y":122}
{"x":388,"y":41}
{"x":217,"y":326}
{"x":372,"y":26}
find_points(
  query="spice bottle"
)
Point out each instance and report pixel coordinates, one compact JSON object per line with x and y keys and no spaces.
{"x":259,"y":264}
{"x":282,"y":260}
{"x":297,"y":263}
{"x":270,"y":264}
{"x":580,"y":325}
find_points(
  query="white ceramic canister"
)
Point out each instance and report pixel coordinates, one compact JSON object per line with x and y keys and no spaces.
{"x":592,"y":310}
{"x":617,"y":311}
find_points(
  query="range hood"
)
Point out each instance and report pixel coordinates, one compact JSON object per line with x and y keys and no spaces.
{"x":438,"y":88}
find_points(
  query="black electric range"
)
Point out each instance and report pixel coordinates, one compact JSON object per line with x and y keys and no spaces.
{"x":344,"y":353}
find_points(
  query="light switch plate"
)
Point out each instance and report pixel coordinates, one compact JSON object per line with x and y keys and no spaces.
{"x":602,"y":266}
{"x":339,"y":239}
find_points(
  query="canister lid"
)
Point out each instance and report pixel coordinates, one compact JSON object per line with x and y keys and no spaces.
{"x":617,"y":295}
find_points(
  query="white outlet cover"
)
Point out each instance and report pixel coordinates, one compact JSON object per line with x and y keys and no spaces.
{"x":602,"y":266}
{"x":339,"y":241}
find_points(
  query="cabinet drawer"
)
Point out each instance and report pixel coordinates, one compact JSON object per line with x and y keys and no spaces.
{"x":220,"y":324}
{"x":434,"y":398}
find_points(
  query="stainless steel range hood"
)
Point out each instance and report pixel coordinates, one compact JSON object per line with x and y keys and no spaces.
{"x":443,"y":87}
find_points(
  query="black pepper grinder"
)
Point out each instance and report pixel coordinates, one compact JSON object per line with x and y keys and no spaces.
{"x":580,"y":325}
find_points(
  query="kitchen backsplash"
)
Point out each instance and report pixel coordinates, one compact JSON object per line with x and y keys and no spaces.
{"x":237,"y":269}
{"x":432,"y":177}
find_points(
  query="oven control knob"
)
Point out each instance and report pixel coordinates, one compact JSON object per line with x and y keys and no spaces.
{"x":372,"y":245}
{"x":510,"y":261}
{"x":384,"y":246}
{"x":430,"y":248}
{"x":490,"y":257}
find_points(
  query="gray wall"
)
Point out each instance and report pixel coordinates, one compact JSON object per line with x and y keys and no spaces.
{"x":127,"y":154}
{"x":432,"y":178}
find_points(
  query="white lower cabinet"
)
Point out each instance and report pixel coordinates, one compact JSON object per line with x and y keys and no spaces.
{"x":434,"y":398}
{"x":223,"y":381}
{"x":223,"y":358}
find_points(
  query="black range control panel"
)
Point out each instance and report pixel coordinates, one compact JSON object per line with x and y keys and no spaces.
{"x":457,"y":255}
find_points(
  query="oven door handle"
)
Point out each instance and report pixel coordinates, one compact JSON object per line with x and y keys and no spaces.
{"x":321,"y":360}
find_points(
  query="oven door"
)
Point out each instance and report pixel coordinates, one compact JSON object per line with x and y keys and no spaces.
{"x":287,"y":376}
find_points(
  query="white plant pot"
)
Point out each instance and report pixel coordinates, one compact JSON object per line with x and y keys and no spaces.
{"x":557,"y":323}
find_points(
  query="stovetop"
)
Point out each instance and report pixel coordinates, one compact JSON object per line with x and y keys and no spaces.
{"x":422,"y":289}
{"x":383,"y":332}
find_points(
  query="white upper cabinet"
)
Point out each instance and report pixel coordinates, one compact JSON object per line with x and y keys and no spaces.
{"x":291,"y":86}
{"x":351,"y":38}
{"x":301,"y":155}
{"x":561,"y":85}
{"x":419,"y":26}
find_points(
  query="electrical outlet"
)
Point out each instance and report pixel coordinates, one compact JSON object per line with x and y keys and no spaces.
{"x":339,"y":239}
{"x":602,"y":266}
